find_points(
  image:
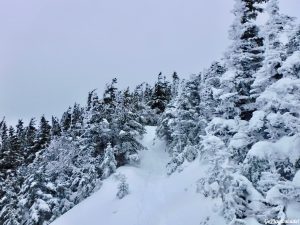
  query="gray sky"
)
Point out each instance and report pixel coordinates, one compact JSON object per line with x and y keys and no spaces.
{"x":52,"y":52}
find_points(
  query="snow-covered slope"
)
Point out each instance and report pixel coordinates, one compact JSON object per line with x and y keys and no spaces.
{"x":154,"y":198}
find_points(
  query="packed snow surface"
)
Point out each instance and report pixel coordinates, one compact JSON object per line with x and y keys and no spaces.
{"x":154,"y":197}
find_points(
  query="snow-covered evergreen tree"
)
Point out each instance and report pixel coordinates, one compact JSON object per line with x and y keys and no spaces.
{"x":30,"y":134}
{"x":123,"y":187}
{"x":243,"y":59}
{"x":179,"y":124}
{"x":55,"y":127}
{"x":66,"y":120}
{"x":211,"y":82}
{"x":126,"y":127}
{"x":293,"y":44}
{"x":275,"y":51}
{"x":161,"y":94}
{"x":109,"y":164}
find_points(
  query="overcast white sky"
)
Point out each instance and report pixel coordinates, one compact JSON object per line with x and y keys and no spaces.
{"x":52,"y":52}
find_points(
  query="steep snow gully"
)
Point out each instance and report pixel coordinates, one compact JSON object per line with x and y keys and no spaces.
{"x":154,"y":197}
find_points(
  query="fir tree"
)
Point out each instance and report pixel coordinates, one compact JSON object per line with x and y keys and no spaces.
{"x":15,"y":156}
{"x":275,"y":51}
{"x":246,"y":54}
{"x":109,"y":98}
{"x":20,"y":132}
{"x":125,"y":128}
{"x":123,"y":188}
{"x":43,"y":135}
{"x":55,"y":127}
{"x":148,"y":93}
{"x":5,"y":150}
{"x":77,"y":120}
{"x":175,"y":85}
{"x":138,"y":97}
{"x":30,"y":136}
{"x":110,"y":92}
{"x":211,"y":82}
{"x":89,"y":100}
{"x":180,"y":125}
{"x":42,"y":138}
{"x":109,"y":164}
{"x":66,"y":120}
{"x":4,"y":136}
{"x":161,"y":94}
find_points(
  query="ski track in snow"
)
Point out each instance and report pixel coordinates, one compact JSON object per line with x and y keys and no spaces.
{"x":154,"y":198}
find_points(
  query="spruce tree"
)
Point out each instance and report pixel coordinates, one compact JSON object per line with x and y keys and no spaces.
{"x":44,"y":135}
{"x":175,"y":85}
{"x":110,"y":92}
{"x":148,"y":93}
{"x":125,"y":127}
{"x":4,"y":137}
{"x":138,"y":97}
{"x":274,"y":49}
{"x":77,"y":120}
{"x":66,"y":120}
{"x":210,"y":83}
{"x":148,"y":114}
{"x":4,"y":151}
{"x":42,"y":139}
{"x":55,"y":127}
{"x":89,"y":100}
{"x":15,"y":156}
{"x":123,"y":188}
{"x":109,"y":164}
{"x":179,"y":124}
{"x":109,"y":98}
{"x":95,"y":114}
{"x":161,"y":94}
{"x":20,"y":132}
{"x":245,"y":55}
{"x":30,"y":136}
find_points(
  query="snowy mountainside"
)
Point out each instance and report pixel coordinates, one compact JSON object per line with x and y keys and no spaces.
{"x":154,"y":197}
{"x":231,"y":150}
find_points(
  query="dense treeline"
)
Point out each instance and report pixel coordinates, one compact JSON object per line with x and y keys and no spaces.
{"x":242,"y":116}
{"x":49,"y":168}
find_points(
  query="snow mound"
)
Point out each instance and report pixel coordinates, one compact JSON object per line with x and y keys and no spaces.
{"x":285,"y":148}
